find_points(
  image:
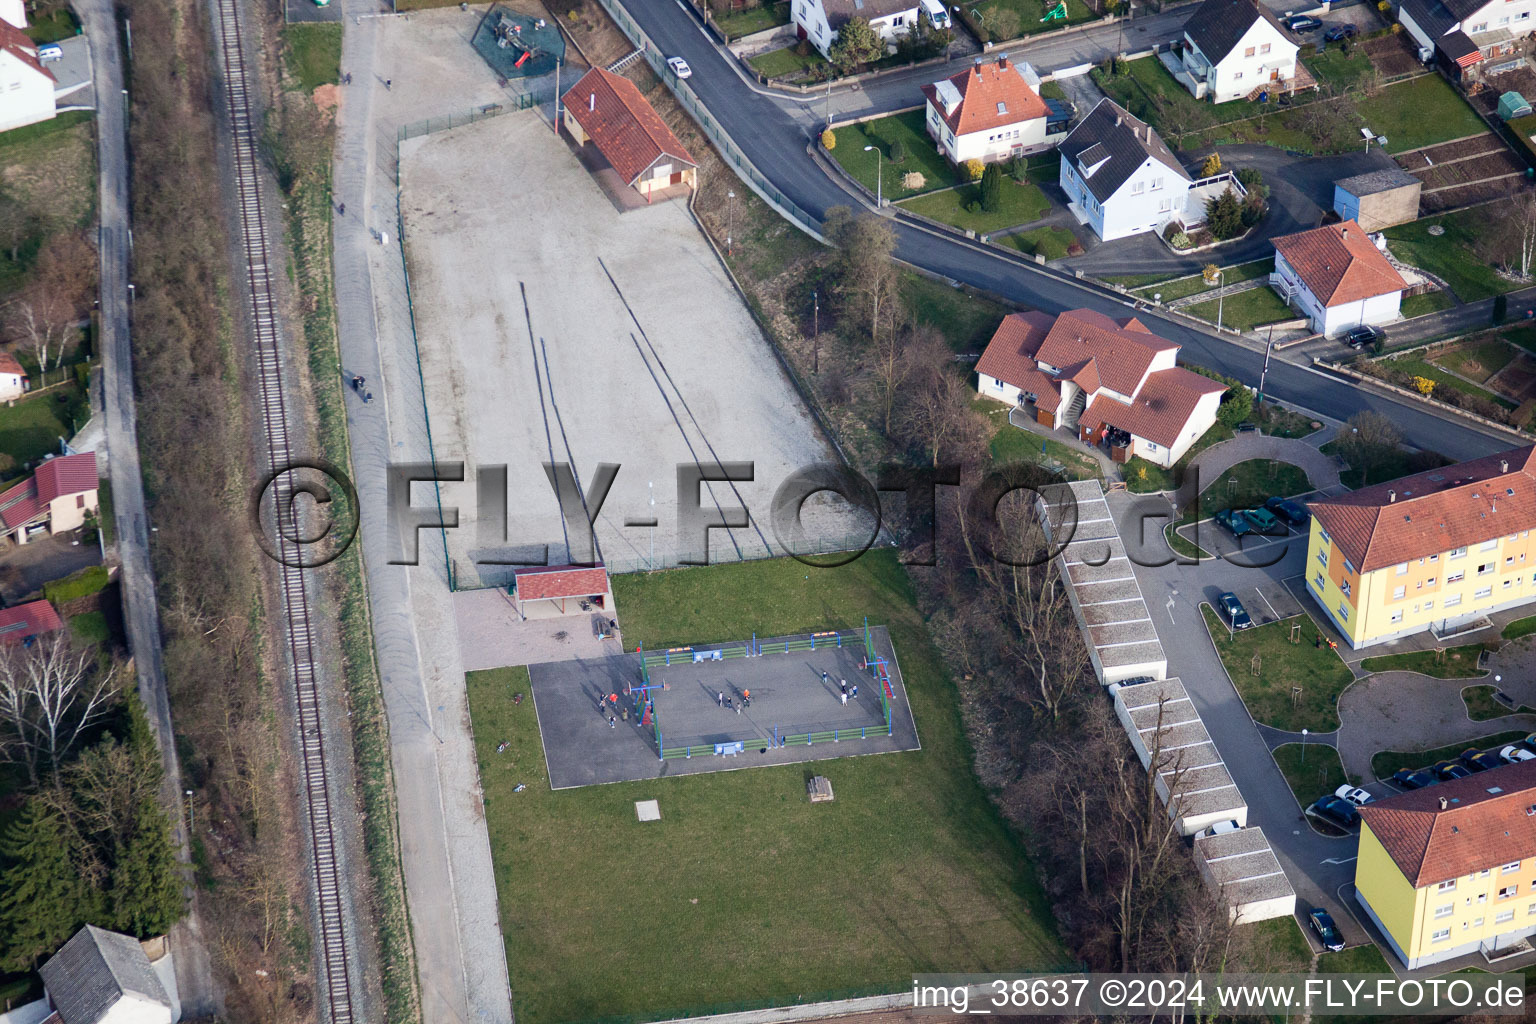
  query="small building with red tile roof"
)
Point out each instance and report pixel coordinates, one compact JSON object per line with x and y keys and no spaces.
{"x":56,"y":498}
{"x":1337,"y":277}
{"x":1108,"y":382}
{"x":607,"y":110}
{"x":548,"y":591}
{"x":21,"y":623}
{"x":987,"y":112}
{"x":26,"y":85}
{"x":13,"y":378}
{"x":1450,"y":869}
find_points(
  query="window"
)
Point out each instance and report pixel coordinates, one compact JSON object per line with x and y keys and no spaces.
{"x":1507,"y":583}
{"x":1344,"y":612}
{"x":1445,"y":910}
{"x":1509,"y":891}
{"x":1509,"y":559}
{"x":1401,"y":570}
{"x":1349,"y":566}
{"x":1137,"y":187}
{"x":1322,"y":556}
{"x":1504,"y":20}
{"x":1319,"y":581}
{"x":1429,"y":606}
{"x":1264,"y":48}
{"x":1485,"y":568}
{"x":1440,"y":935}
{"x":1434,"y":558}
{"x":1249,"y":52}
{"x":79,"y":501}
{"x":1397,"y":616}
{"x":1164,"y":205}
{"x":1399,"y":593}
{"x":1322,"y":535}
{"x":1513,"y":865}
{"x":1482,"y":592}
{"x":1452,"y":601}
{"x":1460,"y":552}
{"x":1456,"y":577}
{"x":1157,"y":184}
{"x":1488,"y":545}
{"x":1345,"y":587}
{"x":1237,"y":75}
{"x":1481,"y":26}
{"x":1431,"y":581}
{"x":1446,"y":886}
{"x":1483,"y":874}
{"x":1503,"y":916}
{"x":1477,"y":922}
{"x":1151,"y":446}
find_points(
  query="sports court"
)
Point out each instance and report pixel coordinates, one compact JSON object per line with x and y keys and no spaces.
{"x":674,"y":704}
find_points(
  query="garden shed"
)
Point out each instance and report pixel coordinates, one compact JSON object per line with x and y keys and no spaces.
{"x":1512,"y":104}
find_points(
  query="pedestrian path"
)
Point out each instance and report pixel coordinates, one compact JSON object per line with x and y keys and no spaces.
{"x":1322,"y":470}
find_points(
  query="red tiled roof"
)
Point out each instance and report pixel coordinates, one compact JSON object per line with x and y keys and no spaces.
{"x":69,"y":474}
{"x":1489,"y":820}
{"x":8,"y":364}
{"x":991,"y":96}
{"x":1122,"y":354}
{"x":556,"y":581}
{"x":31,"y":619}
{"x":1338,"y":263}
{"x":622,"y":125}
{"x":1010,"y":356}
{"x":21,"y":46}
{"x":1434,"y":511}
{"x":1161,"y":409}
{"x":19,"y":504}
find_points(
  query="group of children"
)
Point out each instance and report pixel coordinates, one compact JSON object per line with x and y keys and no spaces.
{"x":730,"y":703}
{"x":847,"y":692}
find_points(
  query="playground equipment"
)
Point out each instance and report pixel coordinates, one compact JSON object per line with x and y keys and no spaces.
{"x":509,"y":35}
{"x":1057,"y":13}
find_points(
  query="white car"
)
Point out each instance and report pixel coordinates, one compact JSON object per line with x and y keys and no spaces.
{"x":679,"y":67}
{"x":1514,"y":755}
{"x":1354,"y":795}
{"x":50,"y":52}
{"x":1221,"y":828}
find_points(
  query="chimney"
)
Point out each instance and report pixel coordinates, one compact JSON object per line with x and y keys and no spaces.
{"x":1344,"y":232}
{"x":1119,"y":120}
{"x":1002,"y":62}
{"x":591,"y":101}
{"x":1391,"y":496}
{"x":1444,"y":803}
{"x":1503,"y":465}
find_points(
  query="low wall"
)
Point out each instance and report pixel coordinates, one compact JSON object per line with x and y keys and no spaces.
{"x":767,"y":39}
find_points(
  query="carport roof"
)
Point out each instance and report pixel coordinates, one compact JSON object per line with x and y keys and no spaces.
{"x":31,"y":619}
{"x":1244,"y":865}
{"x":552,"y":582}
{"x":621,"y":124}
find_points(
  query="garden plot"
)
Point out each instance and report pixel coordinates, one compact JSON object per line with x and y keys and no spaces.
{"x":1390,"y":56}
{"x":1464,"y":171}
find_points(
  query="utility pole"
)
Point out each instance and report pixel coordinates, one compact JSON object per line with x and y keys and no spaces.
{"x":1269,"y":347}
{"x":730,"y":221}
{"x":815,"y":332}
{"x":557,"y":96}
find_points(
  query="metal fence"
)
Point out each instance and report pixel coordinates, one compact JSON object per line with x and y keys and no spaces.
{"x":520,"y":101}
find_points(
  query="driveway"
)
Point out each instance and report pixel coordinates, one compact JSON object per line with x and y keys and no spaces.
{"x":25,"y":568}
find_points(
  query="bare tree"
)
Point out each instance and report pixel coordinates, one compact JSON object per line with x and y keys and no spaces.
{"x":891,"y":369}
{"x":866,"y":275}
{"x":936,"y":408}
{"x":1366,"y":440}
{"x":1180,"y":120}
{"x":50,"y":694}
{"x":1511,"y":240}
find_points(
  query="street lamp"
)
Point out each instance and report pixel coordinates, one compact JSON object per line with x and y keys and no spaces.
{"x":191,"y":811}
{"x":651,"y":492}
{"x":730,"y":221}
{"x":1303,"y":746}
{"x":1221,"y":280}
{"x":879,"y":175}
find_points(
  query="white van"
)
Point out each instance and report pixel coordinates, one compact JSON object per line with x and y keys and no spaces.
{"x":49,"y":52}
{"x":938,"y":17}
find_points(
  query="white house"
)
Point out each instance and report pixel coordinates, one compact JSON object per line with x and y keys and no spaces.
{"x":1463,"y":33}
{"x":1337,"y":278}
{"x":987,"y":112}
{"x":55,"y":499}
{"x":1119,"y":176}
{"x":26,"y":86}
{"x":1110,"y":382}
{"x":13,"y":379}
{"x":14,"y":12}
{"x":1235,"y":48}
{"x":819,"y":20}
{"x":102,"y":977}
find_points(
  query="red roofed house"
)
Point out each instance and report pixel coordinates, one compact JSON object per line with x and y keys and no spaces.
{"x":1111,"y":382}
{"x":1337,"y":277}
{"x":13,"y":379}
{"x":21,"y":623}
{"x":56,"y":498}
{"x":26,"y":86}
{"x":547,"y":591}
{"x":607,"y":110}
{"x":986,"y":112}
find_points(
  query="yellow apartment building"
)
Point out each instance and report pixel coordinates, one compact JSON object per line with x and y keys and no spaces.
{"x":1438,"y":550}
{"x":1451,"y":869}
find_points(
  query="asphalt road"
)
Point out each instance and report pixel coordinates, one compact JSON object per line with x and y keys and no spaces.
{"x":775,"y":139}
{"x":141,"y":614}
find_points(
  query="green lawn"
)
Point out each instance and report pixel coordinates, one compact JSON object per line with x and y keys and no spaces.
{"x":1366,"y":959}
{"x":968,"y":321}
{"x":1522,"y":335}
{"x":1001,"y":20}
{"x":32,"y":427}
{"x":1477,"y":361}
{"x":748,"y":887}
{"x":1451,"y":256}
{"x":50,"y":170}
{"x":104,"y":511}
{"x":1281,"y":422}
{"x":1146,"y":80}
{"x":1142,"y":477}
{"x":1194,"y":284}
{"x":1459,"y":663}
{"x":1311,"y":774}
{"x":1425,"y":303}
{"x":1244,"y":310}
{"x":786,"y":61}
{"x":1481,"y":707}
{"x":1134,"y":281}
{"x":314,"y":54}
{"x":1399,"y":463}
{"x":1385,"y":762}
{"x":1051,"y":242}
{"x":1420,"y":368}
{"x":89,"y":628}
{"x":1318,"y":671}
{"x":1419,"y":112}
{"x":922,"y":156}
{"x":1020,"y":204}
{"x":50,"y":28}
{"x":1335,"y":67}
{"x":1015,"y":444}
{"x":1286,"y":947}
{"x":1249,"y":484}
{"x":1520,"y":627}
{"x":744,"y":23}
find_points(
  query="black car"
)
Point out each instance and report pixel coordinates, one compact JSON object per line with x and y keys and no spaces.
{"x":1235,"y":522}
{"x":1408,"y":778}
{"x":1236,"y":614}
{"x":1246,"y":427}
{"x":1362,"y":336}
{"x":1448,"y":770}
{"x":1303,"y":23}
{"x":1327,"y":932}
{"x":1478,"y":760}
{"x":1338,"y":32}
{"x":1292,"y":512}
{"x":1336,"y":810}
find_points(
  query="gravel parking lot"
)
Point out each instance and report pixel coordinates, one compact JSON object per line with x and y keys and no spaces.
{"x":531,"y":353}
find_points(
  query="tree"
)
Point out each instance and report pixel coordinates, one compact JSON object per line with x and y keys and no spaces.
{"x":43,"y":898}
{"x":1327,"y":120}
{"x":935,"y":412}
{"x":1224,"y":215}
{"x":973,"y":169}
{"x":865,"y":274}
{"x":42,"y":320}
{"x":857,"y":43}
{"x":17,"y":224}
{"x":1510,"y":241}
{"x":50,"y":694}
{"x":992,"y":188}
{"x":898,"y":154}
{"x":1212,"y":166}
{"x":1180,"y":120}
{"x":1366,"y":441}
{"x":829,"y":140}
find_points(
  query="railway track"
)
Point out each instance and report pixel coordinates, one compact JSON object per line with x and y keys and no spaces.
{"x":333,"y":945}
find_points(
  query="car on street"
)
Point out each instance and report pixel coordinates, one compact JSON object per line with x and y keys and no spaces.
{"x":1449,"y":770}
{"x":1264,"y":521}
{"x":1235,"y":522}
{"x":1293,"y":512}
{"x":1362,"y":337}
{"x":1336,"y":810}
{"x":679,"y":67}
{"x":1327,"y":932}
{"x":1478,"y":760}
{"x":1303,"y":23}
{"x":1237,"y":615}
{"x":1514,"y":754}
{"x":1338,"y":32}
{"x":1354,"y":794}
{"x":1408,"y":778}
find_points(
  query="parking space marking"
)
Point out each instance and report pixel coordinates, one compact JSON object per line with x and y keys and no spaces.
{"x":1116,"y":600}
{"x":1260,"y":592}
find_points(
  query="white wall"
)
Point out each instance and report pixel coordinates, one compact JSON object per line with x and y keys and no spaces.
{"x":14,"y":11}
{"x":809,"y":15}
{"x":10,"y":386}
{"x":26,"y":94}
{"x":1379,"y":309}
{"x":1201,"y":420}
{"x":991,"y":387}
{"x":1237,"y":74}
{"x":996,"y":144}
{"x":1129,"y":212}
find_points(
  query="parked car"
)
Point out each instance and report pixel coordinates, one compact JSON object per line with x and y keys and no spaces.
{"x":1337,"y":810}
{"x":1221,"y":828}
{"x":1327,"y":932}
{"x":679,"y":67}
{"x":1354,"y":794}
{"x":1513,"y":754}
{"x":1264,"y":521}
{"x":1235,"y":522}
{"x":1362,"y":337}
{"x":1448,"y":770}
{"x":1292,"y":512}
{"x":1529,"y":743}
{"x":1408,"y":778}
{"x":50,"y":52}
{"x":1339,"y":32}
{"x":1478,"y":760}
{"x":1303,"y":23}
{"x":1236,"y":614}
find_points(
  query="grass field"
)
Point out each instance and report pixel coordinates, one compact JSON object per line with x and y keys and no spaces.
{"x":968,"y":321}
{"x":1419,"y":112}
{"x":1316,"y":773}
{"x":1385,"y":762}
{"x":1008,"y":19}
{"x":1051,"y":242}
{"x":744,"y":23}
{"x":1520,"y":627}
{"x":1425,"y":303}
{"x":1400,"y":463}
{"x":1020,"y":204}
{"x":1244,"y":310}
{"x":922,"y":157}
{"x":1451,"y":256}
{"x":49,"y":168}
{"x":785,"y":61}
{"x":1477,"y":361}
{"x":1146,"y":82}
{"x":1459,"y":663}
{"x":1249,"y":484}
{"x":314,"y":54}
{"x":1318,"y":671}
{"x":1481,"y":707}
{"x":50,"y":28}
{"x":1336,"y":67}
{"x":32,"y":427}
{"x":1442,"y":379}
{"x":1014,"y":444}
{"x":1194,"y":284}
{"x":744,"y":893}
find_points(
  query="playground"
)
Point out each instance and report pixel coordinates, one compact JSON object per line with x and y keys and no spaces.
{"x":518,"y":45}
{"x":717,"y":707}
